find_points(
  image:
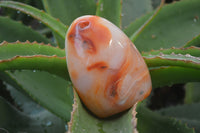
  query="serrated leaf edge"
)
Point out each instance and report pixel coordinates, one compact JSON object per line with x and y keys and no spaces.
{"x":75,"y":107}
{"x":134,"y":119}
{"x":28,"y":42}
{"x":172,"y":48}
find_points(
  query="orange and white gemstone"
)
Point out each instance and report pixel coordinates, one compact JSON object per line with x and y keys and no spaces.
{"x":106,"y":69}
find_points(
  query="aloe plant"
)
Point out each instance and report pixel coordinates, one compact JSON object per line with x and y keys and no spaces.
{"x":32,"y":68}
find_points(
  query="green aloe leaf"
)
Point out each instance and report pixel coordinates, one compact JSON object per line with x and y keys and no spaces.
{"x":163,"y":32}
{"x":194,"y":42}
{"x":192,"y":92}
{"x":12,"y":31}
{"x":13,"y":121}
{"x":169,"y":75}
{"x":50,"y":91}
{"x":193,"y":51}
{"x":148,"y":122}
{"x":136,"y":28}
{"x":46,"y":61}
{"x":175,"y":65}
{"x":152,"y":122}
{"x":63,"y":10}
{"x":10,"y":50}
{"x":68,"y":10}
{"x":188,"y":114}
{"x":133,"y":9}
{"x":33,"y":56}
{"x":22,"y":101}
{"x":110,"y":10}
{"x":54,"y":24}
{"x":83,"y":121}
{"x":132,"y":28}
{"x":43,"y":63}
{"x":172,"y":60}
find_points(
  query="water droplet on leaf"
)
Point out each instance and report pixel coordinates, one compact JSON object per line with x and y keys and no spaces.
{"x":49,"y":123}
{"x":101,"y":7}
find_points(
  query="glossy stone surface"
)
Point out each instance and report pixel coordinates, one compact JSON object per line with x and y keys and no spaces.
{"x":105,"y":67}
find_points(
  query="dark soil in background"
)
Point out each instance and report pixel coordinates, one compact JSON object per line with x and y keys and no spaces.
{"x":167,"y":96}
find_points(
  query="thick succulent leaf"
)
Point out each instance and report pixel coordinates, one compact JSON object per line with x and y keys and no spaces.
{"x":173,"y":60}
{"x":51,"y":64}
{"x":192,"y":92}
{"x":134,"y":26}
{"x":194,"y":42}
{"x":63,"y":10}
{"x":151,"y":122}
{"x":13,"y":121}
{"x":163,"y":76}
{"x":137,"y":27}
{"x":111,"y":10}
{"x":133,"y":9}
{"x":148,"y":122}
{"x":183,"y":62}
{"x":193,"y":51}
{"x":188,"y":114}
{"x":68,"y":10}
{"x":60,"y":63}
{"x":33,"y":56}
{"x":12,"y":31}
{"x":83,"y":121}
{"x":10,"y":50}
{"x":22,"y":101}
{"x":183,"y":65}
{"x":40,"y":15}
{"x":50,"y":91}
{"x":174,"y":25}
